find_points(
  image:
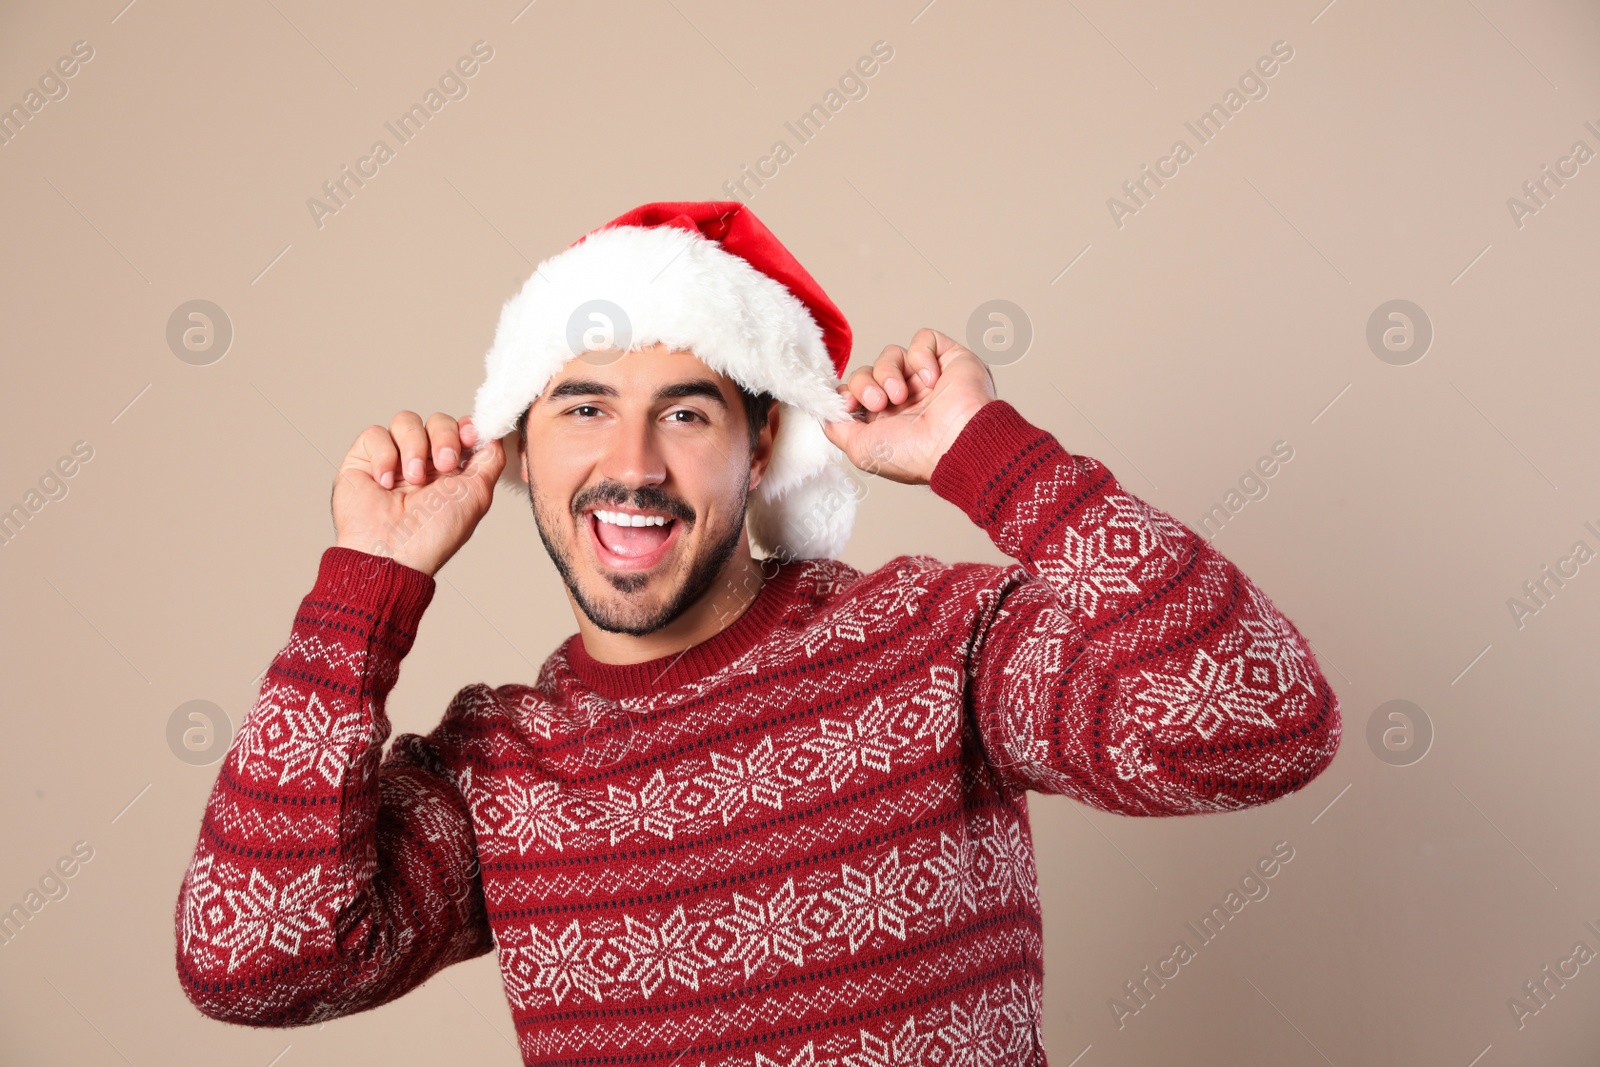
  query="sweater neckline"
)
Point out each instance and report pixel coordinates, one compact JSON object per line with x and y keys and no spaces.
{"x":619,"y":680}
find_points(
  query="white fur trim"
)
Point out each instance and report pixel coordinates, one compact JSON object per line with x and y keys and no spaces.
{"x":681,"y":289}
{"x":811,"y":518}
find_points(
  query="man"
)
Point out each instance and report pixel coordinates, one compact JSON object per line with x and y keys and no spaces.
{"x":757,"y":811}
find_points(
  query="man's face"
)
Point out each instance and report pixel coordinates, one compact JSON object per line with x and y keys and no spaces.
{"x":639,"y":470}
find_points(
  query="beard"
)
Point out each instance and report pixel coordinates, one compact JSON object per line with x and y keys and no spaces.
{"x":631,"y":617}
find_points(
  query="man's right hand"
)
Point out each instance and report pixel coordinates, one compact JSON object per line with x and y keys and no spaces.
{"x":404,"y":492}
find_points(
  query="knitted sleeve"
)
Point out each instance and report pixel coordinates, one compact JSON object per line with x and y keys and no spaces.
{"x":1125,"y":662}
{"x":327,"y":879}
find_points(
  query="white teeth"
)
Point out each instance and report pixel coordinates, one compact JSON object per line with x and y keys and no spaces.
{"x":619,"y":518}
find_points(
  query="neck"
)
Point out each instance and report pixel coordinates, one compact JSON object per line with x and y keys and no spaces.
{"x":732,"y":591}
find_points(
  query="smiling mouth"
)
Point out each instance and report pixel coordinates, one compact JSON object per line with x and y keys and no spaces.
{"x":631,"y":540}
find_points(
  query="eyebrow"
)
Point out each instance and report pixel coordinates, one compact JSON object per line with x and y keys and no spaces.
{"x":701,"y":387}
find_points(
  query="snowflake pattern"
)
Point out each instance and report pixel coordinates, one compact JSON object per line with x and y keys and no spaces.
{"x":844,"y":746}
{"x":1086,"y":571}
{"x":530,"y":813}
{"x":1208,"y":696}
{"x":776,"y":928}
{"x":969,"y":1036}
{"x":312,"y":742}
{"x":264,"y":915}
{"x":670,"y":950}
{"x":653,"y":809}
{"x":1008,"y":855}
{"x":954,"y":870}
{"x":903,"y":1049}
{"x":203,"y":912}
{"x":562,"y":965}
{"x":758,"y":777}
{"x":1020,"y":1010}
{"x":1136,"y":527}
{"x":1272,"y":638}
{"x":873,"y":901}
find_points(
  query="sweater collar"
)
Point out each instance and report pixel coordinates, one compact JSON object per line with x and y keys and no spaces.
{"x":620,"y":680}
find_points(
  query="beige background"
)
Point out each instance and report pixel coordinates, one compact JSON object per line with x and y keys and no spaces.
{"x":1226,"y":315}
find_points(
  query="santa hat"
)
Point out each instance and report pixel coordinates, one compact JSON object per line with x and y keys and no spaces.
{"x":707,"y":277}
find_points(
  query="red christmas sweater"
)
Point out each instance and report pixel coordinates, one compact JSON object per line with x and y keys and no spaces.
{"x":802,"y":842}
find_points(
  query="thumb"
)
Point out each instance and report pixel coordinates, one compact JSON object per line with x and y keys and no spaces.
{"x":843,"y":433}
{"x":488,"y":459}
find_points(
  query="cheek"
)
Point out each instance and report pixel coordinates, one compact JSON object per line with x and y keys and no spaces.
{"x":557,"y":469}
{"x":711,"y":480}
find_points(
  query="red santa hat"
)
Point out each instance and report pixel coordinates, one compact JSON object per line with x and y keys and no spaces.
{"x":710,"y":278}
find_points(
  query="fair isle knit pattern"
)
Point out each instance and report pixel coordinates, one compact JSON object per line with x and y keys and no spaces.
{"x":803,"y":842}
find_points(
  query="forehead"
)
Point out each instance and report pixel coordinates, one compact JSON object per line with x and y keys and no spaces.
{"x":641,"y":370}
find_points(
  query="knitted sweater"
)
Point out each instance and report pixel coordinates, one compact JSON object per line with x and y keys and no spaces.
{"x":803,"y":841}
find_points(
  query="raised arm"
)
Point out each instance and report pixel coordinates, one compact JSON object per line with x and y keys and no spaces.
{"x":328,"y":880}
{"x":1126,"y":661}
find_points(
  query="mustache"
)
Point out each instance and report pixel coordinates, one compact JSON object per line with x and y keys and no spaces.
{"x":645,"y":498}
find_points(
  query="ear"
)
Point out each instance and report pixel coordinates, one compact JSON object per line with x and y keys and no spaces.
{"x":761,"y":458}
{"x":522,"y":455}
{"x":514,"y":475}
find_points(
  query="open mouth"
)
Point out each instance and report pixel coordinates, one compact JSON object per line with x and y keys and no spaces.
{"x":628,"y":540}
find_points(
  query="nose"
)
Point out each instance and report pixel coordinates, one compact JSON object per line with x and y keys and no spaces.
{"x":634,"y":457}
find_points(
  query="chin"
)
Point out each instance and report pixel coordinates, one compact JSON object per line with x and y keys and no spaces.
{"x":630,"y":602}
{"x":645,"y":592}
{"x":631,"y":578}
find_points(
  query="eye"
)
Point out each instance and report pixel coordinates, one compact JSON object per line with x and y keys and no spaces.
{"x":585,"y":411}
{"x":687,"y":416}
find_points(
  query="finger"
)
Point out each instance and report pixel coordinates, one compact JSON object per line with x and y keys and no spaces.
{"x":947,"y":347}
{"x":889,"y":372}
{"x":376,"y":455}
{"x":469,"y":432}
{"x":867,"y":391}
{"x":927,"y":345}
{"x":922,"y":364}
{"x":486,"y":462}
{"x":842,"y":433}
{"x":412,"y":440}
{"x":444,"y":439}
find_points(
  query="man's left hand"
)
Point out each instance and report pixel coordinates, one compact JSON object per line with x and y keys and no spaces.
{"x":910,"y":406}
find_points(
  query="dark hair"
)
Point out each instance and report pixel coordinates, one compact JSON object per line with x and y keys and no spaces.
{"x":757,"y":409}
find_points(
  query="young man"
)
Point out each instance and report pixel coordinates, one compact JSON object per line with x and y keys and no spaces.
{"x":757,"y":811}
